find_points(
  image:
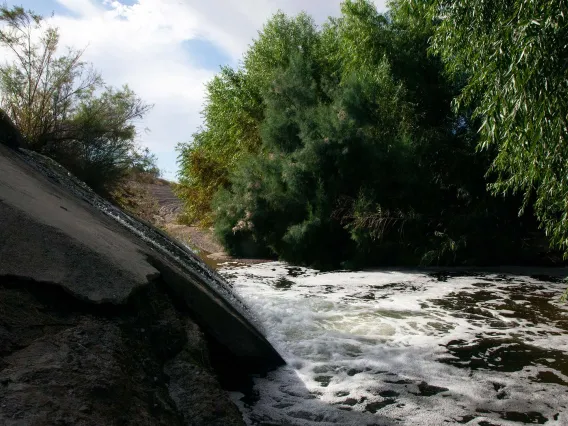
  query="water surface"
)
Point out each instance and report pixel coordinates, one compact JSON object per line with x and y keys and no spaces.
{"x":407,"y":348}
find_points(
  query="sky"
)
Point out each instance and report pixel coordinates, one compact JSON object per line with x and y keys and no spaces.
{"x":166,"y":50}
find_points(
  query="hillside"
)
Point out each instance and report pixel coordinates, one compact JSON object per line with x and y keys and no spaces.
{"x":153,"y":200}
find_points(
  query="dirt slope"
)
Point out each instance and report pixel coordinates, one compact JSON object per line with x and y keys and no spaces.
{"x":199,"y":239}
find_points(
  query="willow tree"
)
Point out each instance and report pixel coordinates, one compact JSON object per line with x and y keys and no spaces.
{"x":232,"y":114}
{"x":234,"y":110}
{"x":512,"y":56}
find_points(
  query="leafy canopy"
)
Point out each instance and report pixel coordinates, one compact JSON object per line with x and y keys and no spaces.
{"x":338,"y":145}
{"x":512,"y":57}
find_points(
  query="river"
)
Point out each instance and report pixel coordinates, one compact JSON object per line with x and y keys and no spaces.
{"x":400,"y":347}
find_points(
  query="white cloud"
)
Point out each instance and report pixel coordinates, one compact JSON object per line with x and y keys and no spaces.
{"x":141,"y":45}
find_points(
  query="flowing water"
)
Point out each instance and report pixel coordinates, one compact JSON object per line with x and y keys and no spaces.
{"x":407,"y":348}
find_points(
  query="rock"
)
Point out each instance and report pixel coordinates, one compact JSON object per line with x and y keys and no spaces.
{"x":186,"y":387}
{"x":90,"y":368}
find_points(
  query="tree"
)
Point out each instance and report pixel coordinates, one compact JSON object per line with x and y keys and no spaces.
{"x":145,"y":162}
{"x":512,"y":57}
{"x":321,"y":148}
{"x":360,"y":158}
{"x":98,"y":144}
{"x":233,"y":113}
{"x":40,"y":89}
{"x":61,"y":105}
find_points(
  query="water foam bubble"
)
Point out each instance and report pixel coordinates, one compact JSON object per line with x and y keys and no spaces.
{"x":407,"y":348}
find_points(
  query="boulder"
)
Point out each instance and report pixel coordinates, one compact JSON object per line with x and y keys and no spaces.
{"x":63,"y":361}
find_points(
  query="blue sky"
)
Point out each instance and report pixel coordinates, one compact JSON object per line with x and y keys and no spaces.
{"x":166,"y":50}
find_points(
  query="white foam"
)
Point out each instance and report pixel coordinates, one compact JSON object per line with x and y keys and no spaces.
{"x":365,"y":341}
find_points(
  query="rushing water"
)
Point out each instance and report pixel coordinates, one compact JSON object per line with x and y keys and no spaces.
{"x":407,"y":348}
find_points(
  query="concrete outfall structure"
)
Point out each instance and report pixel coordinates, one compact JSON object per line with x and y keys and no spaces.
{"x":102,"y":314}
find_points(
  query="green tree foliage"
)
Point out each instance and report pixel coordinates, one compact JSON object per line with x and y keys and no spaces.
{"x":39,"y":88}
{"x":358,"y":155}
{"x":281,"y":39}
{"x":234,"y":111}
{"x":287,"y":199}
{"x":512,"y":57}
{"x":232,"y":114}
{"x":99,"y":143}
{"x":62,"y":106}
